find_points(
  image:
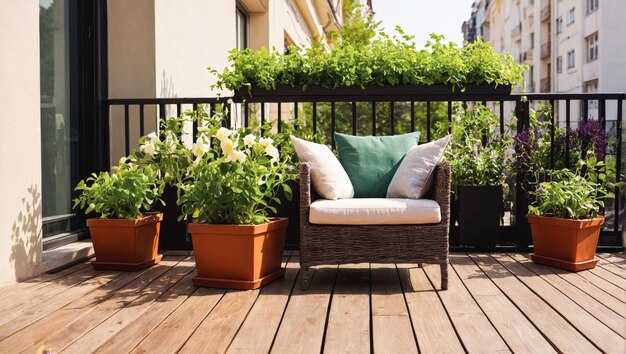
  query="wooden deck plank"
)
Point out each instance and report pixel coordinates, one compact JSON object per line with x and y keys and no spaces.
{"x":24,"y":317}
{"x":610,"y":318}
{"x":392,"y":331}
{"x":348,"y":329}
{"x":617,"y":258}
{"x":472,"y":326}
{"x":554,"y":327}
{"x":117,"y":312}
{"x":217,"y":330}
{"x":610,"y":277}
{"x":604,"y":284}
{"x":433,"y":329}
{"x":171,"y":334}
{"x":47,"y":327}
{"x":516,"y":330}
{"x":596,"y":331}
{"x":304,"y":321}
{"x":612,"y":267}
{"x":259,"y":328}
{"x":126,"y":339}
{"x":41,"y":280}
{"x":592,"y":290}
{"x":26,"y":299}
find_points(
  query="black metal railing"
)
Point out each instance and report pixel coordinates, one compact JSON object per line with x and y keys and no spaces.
{"x":388,"y":111}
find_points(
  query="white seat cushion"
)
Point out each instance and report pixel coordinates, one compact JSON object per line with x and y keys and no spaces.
{"x":374,"y":211}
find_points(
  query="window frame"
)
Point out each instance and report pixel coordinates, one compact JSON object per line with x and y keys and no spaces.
{"x":240,"y":13}
{"x":559,"y":25}
{"x":559,"y":64}
{"x":592,"y":47}
{"x":571,"y":59}
{"x":592,"y":6}
{"x":571,"y":16}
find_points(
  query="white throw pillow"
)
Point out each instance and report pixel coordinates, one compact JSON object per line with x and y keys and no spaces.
{"x":415,"y":174}
{"x":329,"y":178}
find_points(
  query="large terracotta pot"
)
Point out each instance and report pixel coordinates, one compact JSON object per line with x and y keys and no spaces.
{"x":126,"y":244}
{"x":238,"y":256}
{"x":565,"y":243}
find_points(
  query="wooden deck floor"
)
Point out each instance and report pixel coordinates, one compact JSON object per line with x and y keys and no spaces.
{"x":496,"y":303}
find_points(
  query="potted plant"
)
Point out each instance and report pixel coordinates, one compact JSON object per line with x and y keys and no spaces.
{"x":478,"y":156}
{"x":565,"y":215}
{"x":124,"y":237}
{"x":228,"y":191}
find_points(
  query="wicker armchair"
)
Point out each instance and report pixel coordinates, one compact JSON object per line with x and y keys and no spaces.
{"x":340,"y":244}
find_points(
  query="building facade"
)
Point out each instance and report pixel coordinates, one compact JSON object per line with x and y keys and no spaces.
{"x":570,"y":46}
{"x":68,"y":55}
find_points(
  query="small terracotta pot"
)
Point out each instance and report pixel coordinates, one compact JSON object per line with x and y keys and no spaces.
{"x":238,"y":256}
{"x":126,"y":244}
{"x":565,"y":243}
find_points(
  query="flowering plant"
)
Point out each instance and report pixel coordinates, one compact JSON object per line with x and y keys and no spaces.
{"x":233,"y":179}
{"x":477,"y":152}
{"x":580,"y":175}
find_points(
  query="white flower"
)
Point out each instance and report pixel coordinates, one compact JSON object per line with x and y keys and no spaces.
{"x":265,"y":141}
{"x":249,"y":139}
{"x":236,"y":156}
{"x":228,"y":146}
{"x":170,"y":143}
{"x":153,"y":138}
{"x":222,"y":133}
{"x":122,"y":160}
{"x":272,"y":152}
{"x":203,"y":129}
{"x":198,"y":149}
{"x":148,"y":149}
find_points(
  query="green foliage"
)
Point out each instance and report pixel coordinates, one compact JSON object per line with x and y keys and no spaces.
{"x":166,"y":152}
{"x":234,"y":178}
{"x":577,"y":194}
{"x":477,"y":152}
{"x":385,"y":60}
{"x":122,"y":195}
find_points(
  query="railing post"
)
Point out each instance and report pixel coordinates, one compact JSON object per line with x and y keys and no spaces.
{"x":524,"y":239}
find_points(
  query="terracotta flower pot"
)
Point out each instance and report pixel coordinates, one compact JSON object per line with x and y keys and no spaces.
{"x":238,"y":256}
{"x":125,"y":244}
{"x":565,"y":243}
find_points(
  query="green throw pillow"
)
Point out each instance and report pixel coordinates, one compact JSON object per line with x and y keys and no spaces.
{"x":371,"y":161}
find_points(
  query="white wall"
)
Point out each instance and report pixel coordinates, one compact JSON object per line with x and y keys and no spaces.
{"x":20,"y":142}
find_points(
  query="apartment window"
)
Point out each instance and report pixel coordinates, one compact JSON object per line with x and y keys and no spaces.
{"x":532,"y":40}
{"x":571,"y":16}
{"x":591,"y":86}
{"x":559,"y":25}
{"x":592,"y":47}
{"x":571,"y":59}
{"x":242,"y":29}
{"x":559,"y":64}
{"x":592,"y":5}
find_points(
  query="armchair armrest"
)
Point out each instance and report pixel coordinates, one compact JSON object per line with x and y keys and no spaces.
{"x":441,"y":190}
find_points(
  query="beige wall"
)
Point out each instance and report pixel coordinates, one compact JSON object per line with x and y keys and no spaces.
{"x":20,"y":136}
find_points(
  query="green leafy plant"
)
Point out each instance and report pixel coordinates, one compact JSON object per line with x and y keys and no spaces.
{"x":478,"y":152}
{"x":124,"y":194}
{"x":385,"y":60}
{"x":577,"y":194}
{"x":233,"y":179}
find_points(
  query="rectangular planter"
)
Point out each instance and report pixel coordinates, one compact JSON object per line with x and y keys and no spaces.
{"x":238,"y":256}
{"x":369,"y":93}
{"x":480,"y":215}
{"x":565,"y":243}
{"x":125,"y":244}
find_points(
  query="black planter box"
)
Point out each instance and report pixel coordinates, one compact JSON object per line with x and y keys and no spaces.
{"x":173,"y":236}
{"x":371,"y":93}
{"x":290,"y":209}
{"x":480,"y":215}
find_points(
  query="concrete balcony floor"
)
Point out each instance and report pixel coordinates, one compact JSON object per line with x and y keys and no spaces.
{"x":495,"y":303}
